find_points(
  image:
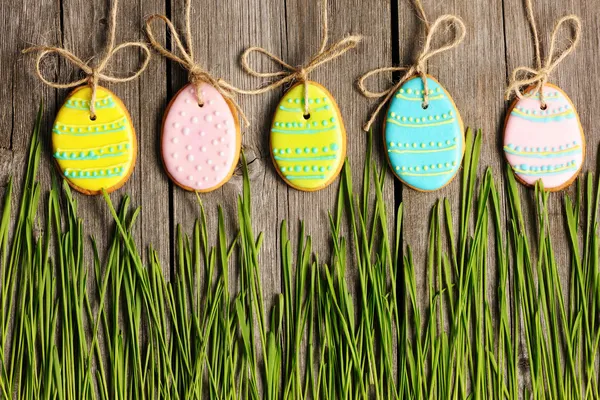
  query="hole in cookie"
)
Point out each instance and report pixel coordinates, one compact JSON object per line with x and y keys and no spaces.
{"x":92,"y":117}
{"x":543,"y":107}
{"x":200,"y":105}
{"x":425,"y":106}
{"x":306,"y":116}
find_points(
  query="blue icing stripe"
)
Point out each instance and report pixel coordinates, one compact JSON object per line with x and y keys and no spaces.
{"x":543,"y":116}
{"x":545,"y":170}
{"x":545,"y":152}
{"x":424,"y":146}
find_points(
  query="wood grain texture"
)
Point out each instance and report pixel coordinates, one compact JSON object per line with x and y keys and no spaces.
{"x":474,"y":75}
{"x":498,"y":40}
{"x":85,"y":26}
{"x":21,"y":91}
{"x":577,"y":75}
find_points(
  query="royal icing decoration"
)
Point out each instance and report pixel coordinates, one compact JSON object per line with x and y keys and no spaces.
{"x":94,"y":154}
{"x":308,"y":152}
{"x":200,"y":144}
{"x":546,"y":145}
{"x":424,"y":146}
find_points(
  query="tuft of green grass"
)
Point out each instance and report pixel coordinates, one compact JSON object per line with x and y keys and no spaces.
{"x":76,"y":322}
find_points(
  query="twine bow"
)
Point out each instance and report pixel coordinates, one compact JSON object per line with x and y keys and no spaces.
{"x":197,"y":75}
{"x":418,"y":68}
{"x":94,"y":74}
{"x":299,"y":74}
{"x":526,"y":76}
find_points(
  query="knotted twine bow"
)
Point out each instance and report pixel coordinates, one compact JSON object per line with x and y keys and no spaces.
{"x":93,"y":74}
{"x":196,"y":74}
{"x":299,"y":74}
{"x":539,"y":76}
{"x":419,"y":67}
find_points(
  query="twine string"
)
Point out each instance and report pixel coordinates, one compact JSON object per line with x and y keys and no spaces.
{"x":525,"y":76}
{"x":419,"y":67}
{"x":300,"y":74}
{"x":197,"y":75}
{"x":93,"y":74}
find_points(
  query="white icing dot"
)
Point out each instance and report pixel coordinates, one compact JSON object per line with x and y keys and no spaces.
{"x":209,"y":161}
{"x":188,"y":147}
{"x":188,"y":101}
{"x":227,"y":122}
{"x":208,"y":118}
{"x":222,"y":139}
{"x":217,"y":113}
{"x":190,"y":178}
{"x":175,"y":124}
{"x":219,"y":126}
{"x":230,"y":131}
{"x":203,"y":148}
{"x":199,"y":167}
{"x":175,"y":140}
{"x":186,"y":131}
{"x":202,"y":133}
{"x":180,"y":168}
{"x":216,"y":167}
{"x":211,"y":102}
{"x":183,"y":113}
{"x":175,"y":155}
{"x":190,"y":157}
{"x":206,"y":178}
{"x":194,"y":120}
{"x":222,"y":153}
{"x":203,"y":93}
{"x":215,"y":142}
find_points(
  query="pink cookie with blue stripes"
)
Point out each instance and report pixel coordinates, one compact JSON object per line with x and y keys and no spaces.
{"x":546,"y":144}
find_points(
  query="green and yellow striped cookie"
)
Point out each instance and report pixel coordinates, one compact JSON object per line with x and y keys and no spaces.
{"x":94,"y":154}
{"x":308,"y":151}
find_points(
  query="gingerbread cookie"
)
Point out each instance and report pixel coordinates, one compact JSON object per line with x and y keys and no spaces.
{"x":308,"y":151}
{"x":424,"y":146}
{"x":544,"y":144}
{"x":200,"y":144}
{"x":94,"y":154}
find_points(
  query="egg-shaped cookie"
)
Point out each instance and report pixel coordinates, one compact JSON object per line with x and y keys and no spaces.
{"x":308,"y":150}
{"x":544,"y":144}
{"x":424,"y":145}
{"x":200,"y":143}
{"x":94,"y":154}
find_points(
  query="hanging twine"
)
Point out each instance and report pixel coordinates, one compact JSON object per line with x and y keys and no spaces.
{"x":419,"y":67}
{"x":525,"y":76}
{"x":299,"y":74}
{"x":196,"y":74}
{"x":94,"y":74}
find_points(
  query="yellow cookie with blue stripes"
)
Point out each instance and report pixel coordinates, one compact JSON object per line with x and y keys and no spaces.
{"x":308,"y":150}
{"x":94,"y":154}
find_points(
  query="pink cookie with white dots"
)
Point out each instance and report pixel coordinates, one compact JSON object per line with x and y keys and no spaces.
{"x":200,"y":145}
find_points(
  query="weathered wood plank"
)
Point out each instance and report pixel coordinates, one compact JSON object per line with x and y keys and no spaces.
{"x":338,"y":76}
{"x":577,"y":75}
{"x":85,"y":33}
{"x":220,"y":33}
{"x":22,"y":91}
{"x":473,"y":74}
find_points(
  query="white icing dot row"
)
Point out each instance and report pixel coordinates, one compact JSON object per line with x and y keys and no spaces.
{"x":221,"y":126}
{"x":558,"y":110}
{"x":199,"y":167}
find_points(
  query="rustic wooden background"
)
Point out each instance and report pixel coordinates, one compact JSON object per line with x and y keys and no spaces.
{"x":475,"y":73}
